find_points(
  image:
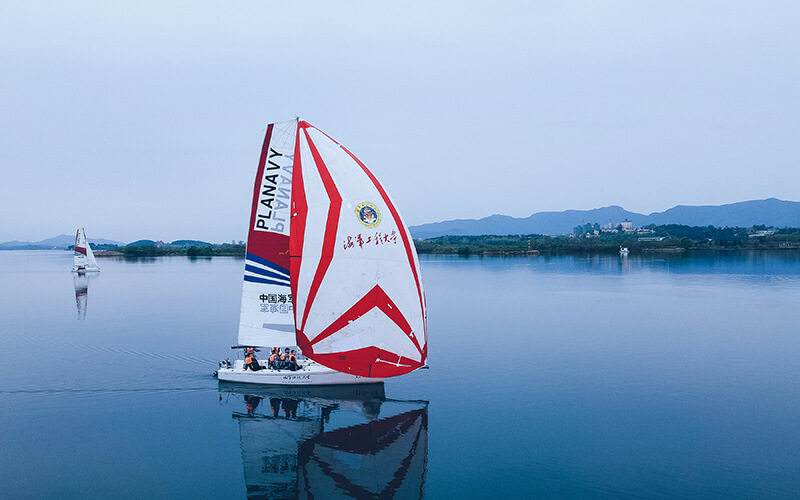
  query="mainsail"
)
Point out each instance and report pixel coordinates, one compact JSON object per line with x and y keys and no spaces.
{"x":267,"y":318}
{"x":330,"y":260}
{"x":83,"y":258}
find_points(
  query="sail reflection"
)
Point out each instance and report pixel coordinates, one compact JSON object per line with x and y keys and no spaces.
{"x":330,"y":442}
{"x":81,"y":282}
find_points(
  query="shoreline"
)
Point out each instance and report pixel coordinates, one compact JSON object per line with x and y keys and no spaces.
{"x":600,"y":251}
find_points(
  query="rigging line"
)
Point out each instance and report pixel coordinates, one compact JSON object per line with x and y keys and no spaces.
{"x":283,"y":128}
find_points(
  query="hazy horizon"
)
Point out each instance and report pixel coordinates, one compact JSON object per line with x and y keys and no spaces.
{"x":146,"y":120}
{"x":172,"y":239}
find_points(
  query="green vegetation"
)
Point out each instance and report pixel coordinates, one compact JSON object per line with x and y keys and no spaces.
{"x":590,"y":239}
{"x":98,"y":246}
{"x":159,"y":250}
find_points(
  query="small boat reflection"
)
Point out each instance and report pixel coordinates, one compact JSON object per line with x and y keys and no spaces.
{"x":330,"y":442}
{"x":81,"y":282}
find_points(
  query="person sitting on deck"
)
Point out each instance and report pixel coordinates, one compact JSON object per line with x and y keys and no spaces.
{"x":293,"y":361}
{"x":285,"y":358}
{"x":251,"y":362}
{"x":249,"y":351}
{"x":274,"y":359}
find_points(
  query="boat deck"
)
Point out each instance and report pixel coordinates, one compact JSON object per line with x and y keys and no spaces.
{"x":311,"y":373}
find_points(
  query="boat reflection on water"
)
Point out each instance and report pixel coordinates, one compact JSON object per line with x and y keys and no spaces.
{"x":81,"y":282}
{"x":330,"y":442}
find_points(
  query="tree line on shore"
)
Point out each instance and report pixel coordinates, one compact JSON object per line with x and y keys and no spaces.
{"x":152,"y":250}
{"x":652,"y":238}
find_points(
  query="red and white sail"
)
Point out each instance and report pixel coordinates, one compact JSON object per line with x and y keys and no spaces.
{"x":330,"y":265}
{"x":267,"y":317}
{"x":359,"y":305}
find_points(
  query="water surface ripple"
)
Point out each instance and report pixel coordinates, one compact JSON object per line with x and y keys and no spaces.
{"x":646,"y":377}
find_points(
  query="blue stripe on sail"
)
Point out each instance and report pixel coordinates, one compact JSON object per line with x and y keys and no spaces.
{"x":262,"y":279}
{"x":256,"y":279}
{"x":263,"y":272}
{"x":267,"y":263}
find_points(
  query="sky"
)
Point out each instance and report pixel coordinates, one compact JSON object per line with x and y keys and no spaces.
{"x":145,"y":119}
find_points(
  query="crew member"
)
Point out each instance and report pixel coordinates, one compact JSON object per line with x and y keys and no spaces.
{"x":285,"y":358}
{"x":293,"y":361}
{"x":274,"y":358}
{"x":251,"y":362}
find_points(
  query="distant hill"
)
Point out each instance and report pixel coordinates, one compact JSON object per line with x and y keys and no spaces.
{"x":174,"y":244}
{"x":14,"y":244}
{"x":60,"y":242}
{"x":191,"y":243}
{"x":139,"y":243}
{"x":770,"y":212}
{"x":65,"y":241}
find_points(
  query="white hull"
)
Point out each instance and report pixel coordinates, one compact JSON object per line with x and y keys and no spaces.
{"x":311,"y":374}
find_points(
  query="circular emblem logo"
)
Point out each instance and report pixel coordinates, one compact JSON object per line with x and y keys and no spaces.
{"x":368,"y":214}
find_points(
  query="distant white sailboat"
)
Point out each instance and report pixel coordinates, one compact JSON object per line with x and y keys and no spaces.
{"x":330,"y":268}
{"x":83,"y":260}
{"x":623,"y":251}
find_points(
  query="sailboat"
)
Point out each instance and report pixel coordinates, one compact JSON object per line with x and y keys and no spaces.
{"x":84,"y":260}
{"x":330,"y":268}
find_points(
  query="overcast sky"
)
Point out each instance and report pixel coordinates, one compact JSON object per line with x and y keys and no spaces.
{"x":146,"y":120}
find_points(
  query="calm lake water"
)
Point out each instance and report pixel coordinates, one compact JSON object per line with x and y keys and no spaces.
{"x":550,"y":377}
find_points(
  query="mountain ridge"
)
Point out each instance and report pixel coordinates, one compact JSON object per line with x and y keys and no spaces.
{"x":62,"y":241}
{"x":770,"y":212}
